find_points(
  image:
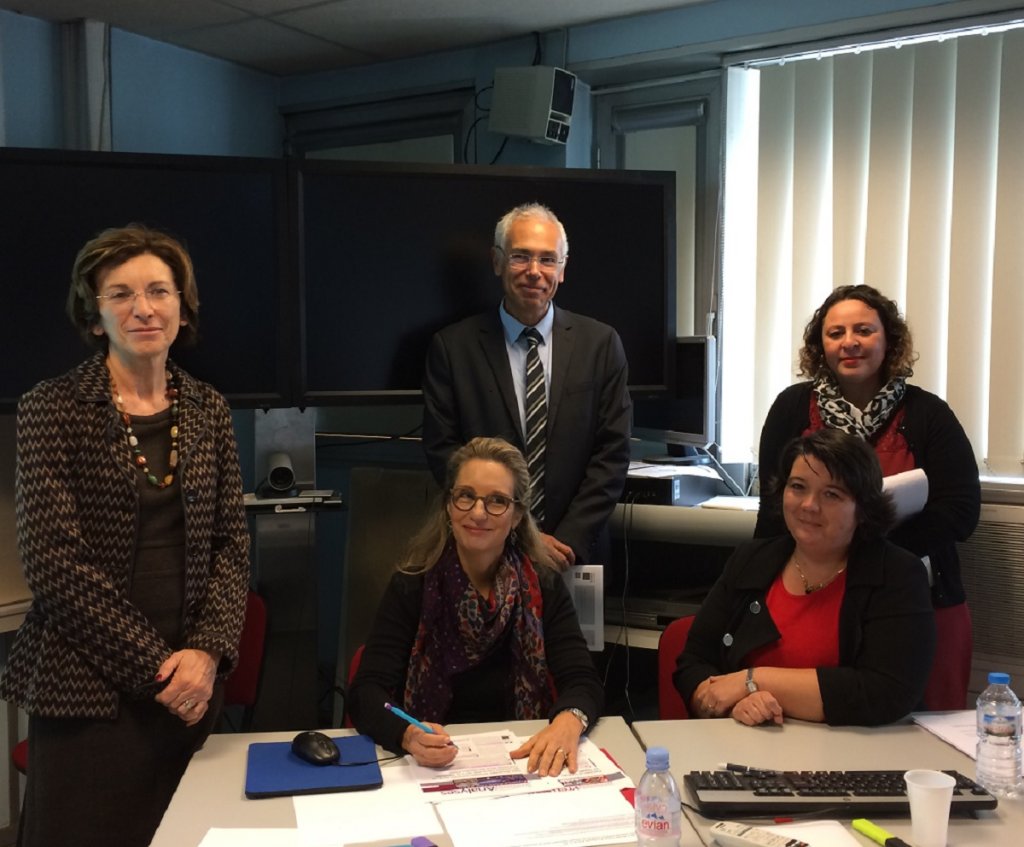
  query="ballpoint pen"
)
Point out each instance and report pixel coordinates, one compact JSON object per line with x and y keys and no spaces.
{"x":877,"y":834}
{"x":405,"y":716}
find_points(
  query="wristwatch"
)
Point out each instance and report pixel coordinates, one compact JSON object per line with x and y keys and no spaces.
{"x":580,"y":715}
{"x":751,"y":685}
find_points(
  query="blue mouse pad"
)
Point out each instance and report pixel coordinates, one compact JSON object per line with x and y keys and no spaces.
{"x":273,"y":770}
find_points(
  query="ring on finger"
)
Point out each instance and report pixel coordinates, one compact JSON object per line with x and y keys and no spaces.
{"x":560,"y":750}
{"x":186,"y":704}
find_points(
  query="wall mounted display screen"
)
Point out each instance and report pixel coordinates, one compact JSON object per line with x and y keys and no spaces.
{"x":686,"y":415}
{"x":392,"y":253}
{"x":231,"y":214}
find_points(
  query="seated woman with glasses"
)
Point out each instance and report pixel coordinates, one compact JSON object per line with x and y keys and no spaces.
{"x":477,"y":625}
{"x":829,"y":622}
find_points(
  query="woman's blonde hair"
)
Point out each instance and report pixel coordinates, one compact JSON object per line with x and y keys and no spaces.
{"x":428,"y":544}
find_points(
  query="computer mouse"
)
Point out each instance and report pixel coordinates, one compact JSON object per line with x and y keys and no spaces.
{"x":315,"y":748}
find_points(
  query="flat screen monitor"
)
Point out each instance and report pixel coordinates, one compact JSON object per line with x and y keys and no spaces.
{"x":230,"y":213}
{"x":686,"y":415}
{"x":392,"y":253}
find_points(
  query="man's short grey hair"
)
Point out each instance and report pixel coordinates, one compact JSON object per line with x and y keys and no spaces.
{"x":529,"y":210}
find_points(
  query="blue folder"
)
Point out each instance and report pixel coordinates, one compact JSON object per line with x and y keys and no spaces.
{"x":273,"y":770}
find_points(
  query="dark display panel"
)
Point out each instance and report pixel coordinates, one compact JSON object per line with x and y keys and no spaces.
{"x":392,"y":253}
{"x":685,"y":415}
{"x":230,"y":213}
{"x":322,"y":282}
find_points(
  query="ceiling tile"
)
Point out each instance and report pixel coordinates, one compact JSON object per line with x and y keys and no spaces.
{"x":389,"y":29}
{"x":153,"y":18}
{"x":266,"y":8}
{"x":262,"y":44}
{"x":316,"y":35}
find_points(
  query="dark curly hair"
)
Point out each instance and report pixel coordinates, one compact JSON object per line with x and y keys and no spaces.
{"x":853,"y":464}
{"x":899,"y":346}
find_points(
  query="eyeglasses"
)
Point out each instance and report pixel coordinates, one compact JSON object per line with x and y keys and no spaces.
{"x":464,"y":499}
{"x":155,"y":294}
{"x":519,"y":259}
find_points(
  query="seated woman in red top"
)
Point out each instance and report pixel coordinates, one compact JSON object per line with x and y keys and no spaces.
{"x":829,"y":622}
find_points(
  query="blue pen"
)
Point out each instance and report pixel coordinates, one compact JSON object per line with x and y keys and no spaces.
{"x":405,"y":716}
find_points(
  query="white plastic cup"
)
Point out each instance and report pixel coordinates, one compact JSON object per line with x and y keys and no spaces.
{"x":929,"y":793}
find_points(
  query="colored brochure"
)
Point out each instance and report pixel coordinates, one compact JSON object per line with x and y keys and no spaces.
{"x":483,"y":767}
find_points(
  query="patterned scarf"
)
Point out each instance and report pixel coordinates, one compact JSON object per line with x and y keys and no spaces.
{"x":837,"y":413}
{"x":458,"y":629}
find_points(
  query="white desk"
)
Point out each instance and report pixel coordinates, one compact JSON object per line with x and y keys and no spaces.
{"x":211,"y":793}
{"x":704,"y":744}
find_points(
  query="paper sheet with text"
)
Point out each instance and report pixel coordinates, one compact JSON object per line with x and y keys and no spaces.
{"x":483,"y":767}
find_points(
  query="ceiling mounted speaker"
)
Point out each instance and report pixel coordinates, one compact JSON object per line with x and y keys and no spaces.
{"x":533,"y":102}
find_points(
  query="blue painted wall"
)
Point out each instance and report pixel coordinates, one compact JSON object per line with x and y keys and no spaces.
{"x":29,"y":81}
{"x":169,"y":100}
{"x":163,"y":99}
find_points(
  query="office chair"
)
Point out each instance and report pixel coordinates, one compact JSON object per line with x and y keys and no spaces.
{"x":670,"y":703}
{"x":241,"y":688}
{"x":19,"y":756}
{"x":353,"y":666}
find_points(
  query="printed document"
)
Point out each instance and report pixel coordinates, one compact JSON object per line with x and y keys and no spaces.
{"x":600,"y":815}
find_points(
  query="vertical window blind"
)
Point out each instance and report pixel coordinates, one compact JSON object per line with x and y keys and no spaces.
{"x":902,"y":168}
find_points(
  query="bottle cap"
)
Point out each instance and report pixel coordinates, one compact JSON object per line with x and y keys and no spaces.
{"x":657,"y":759}
{"x":997,"y":678}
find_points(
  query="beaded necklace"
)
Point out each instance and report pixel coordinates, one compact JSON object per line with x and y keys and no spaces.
{"x":133,"y":442}
{"x":808,"y":588}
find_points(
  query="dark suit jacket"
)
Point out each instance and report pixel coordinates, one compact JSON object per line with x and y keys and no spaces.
{"x":468,"y":392}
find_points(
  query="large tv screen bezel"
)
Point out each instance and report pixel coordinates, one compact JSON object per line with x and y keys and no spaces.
{"x":64,"y":209}
{"x":503,"y":187}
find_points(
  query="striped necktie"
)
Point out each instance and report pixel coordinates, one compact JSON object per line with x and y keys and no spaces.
{"x":536,"y":421}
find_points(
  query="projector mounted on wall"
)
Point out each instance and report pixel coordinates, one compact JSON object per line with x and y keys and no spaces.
{"x":533,"y":102}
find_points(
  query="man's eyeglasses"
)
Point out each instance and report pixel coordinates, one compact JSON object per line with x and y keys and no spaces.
{"x":519,"y":259}
{"x":155,"y":294}
{"x":464,"y":499}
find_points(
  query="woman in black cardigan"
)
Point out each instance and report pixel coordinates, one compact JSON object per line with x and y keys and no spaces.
{"x":829,"y":622}
{"x":477,"y":625}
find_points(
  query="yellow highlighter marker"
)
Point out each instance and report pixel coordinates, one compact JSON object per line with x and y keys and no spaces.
{"x":877,"y":834}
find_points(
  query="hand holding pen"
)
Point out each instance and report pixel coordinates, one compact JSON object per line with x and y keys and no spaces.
{"x":427,"y":743}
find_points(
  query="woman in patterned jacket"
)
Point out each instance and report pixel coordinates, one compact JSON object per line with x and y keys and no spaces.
{"x":132,"y":534}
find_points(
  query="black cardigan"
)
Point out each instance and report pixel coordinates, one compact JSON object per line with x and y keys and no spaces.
{"x":481,"y":693}
{"x":940,"y":448}
{"x":886,"y":630}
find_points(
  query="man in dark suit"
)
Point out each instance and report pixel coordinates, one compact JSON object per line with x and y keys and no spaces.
{"x":476,"y":384}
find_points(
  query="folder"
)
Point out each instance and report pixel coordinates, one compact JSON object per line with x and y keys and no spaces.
{"x":273,"y":770}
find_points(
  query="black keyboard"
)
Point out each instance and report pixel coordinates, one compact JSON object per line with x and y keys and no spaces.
{"x":729,"y":793}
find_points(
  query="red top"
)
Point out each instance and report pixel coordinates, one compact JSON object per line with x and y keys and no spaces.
{"x":808,"y":624}
{"x":889,"y":443}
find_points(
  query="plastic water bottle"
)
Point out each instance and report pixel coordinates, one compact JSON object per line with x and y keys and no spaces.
{"x":658,"y":813}
{"x":999,"y":724}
